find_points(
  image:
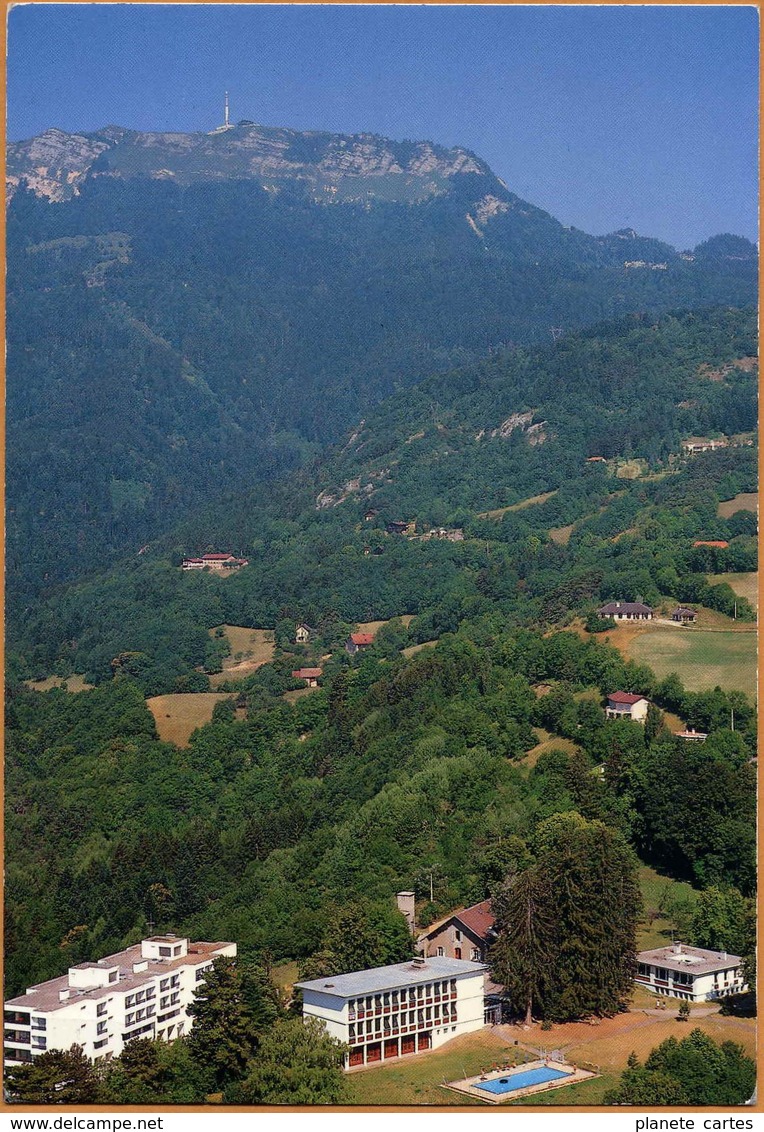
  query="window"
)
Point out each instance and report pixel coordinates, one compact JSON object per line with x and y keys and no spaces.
{"x":457,"y":935}
{"x":165,"y":952}
{"x":164,"y":984}
{"x":176,"y":950}
{"x":101,"y":1008}
{"x":101,"y":1027}
{"x":475,"y":955}
{"x":441,"y":952}
{"x":113,"y":976}
{"x":15,"y":1018}
{"x":39,"y":1023}
{"x":175,"y":981}
{"x":129,"y":1019}
{"x":457,"y":953}
{"x":39,"y":1043}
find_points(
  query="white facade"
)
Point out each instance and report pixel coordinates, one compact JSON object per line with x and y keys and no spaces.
{"x":143,"y":992}
{"x":406,"y":1008}
{"x":691,"y":973}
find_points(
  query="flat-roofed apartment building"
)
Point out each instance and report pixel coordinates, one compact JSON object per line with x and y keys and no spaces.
{"x":143,"y":991}
{"x":692,"y":973}
{"x":389,"y":1012}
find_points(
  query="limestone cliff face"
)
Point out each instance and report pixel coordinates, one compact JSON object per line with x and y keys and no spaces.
{"x":332,"y":167}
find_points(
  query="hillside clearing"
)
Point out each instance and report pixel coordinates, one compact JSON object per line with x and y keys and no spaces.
{"x":547,"y":742}
{"x":68,"y":683}
{"x":659,"y":893}
{"x":177,"y":716}
{"x":534,"y":499}
{"x":702,"y":658}
{"x":561,"y":535}
{"x":250,"y":649}
{"x":744,"y":585}
{"x":744,"y":501}
{"x":412,"y":650}
{"x":375,"y":626}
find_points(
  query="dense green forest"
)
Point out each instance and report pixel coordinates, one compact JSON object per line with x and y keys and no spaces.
{"x":169,"y":341}
{"x":288,"y":826}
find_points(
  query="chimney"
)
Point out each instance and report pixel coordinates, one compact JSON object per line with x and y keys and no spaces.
{"x":418,"y":963}
{"x":63,"y":995}
{"x":676,"y":948}
{"x":405,"y":902}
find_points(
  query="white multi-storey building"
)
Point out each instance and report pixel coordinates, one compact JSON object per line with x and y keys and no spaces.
{"x":388,"y":1012}
{"x":692,"y":973}
{"x":143,"y":991}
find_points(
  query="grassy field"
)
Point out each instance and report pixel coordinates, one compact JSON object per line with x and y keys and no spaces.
{"x":499,"y":511}
{"x":547,"y":742}
{"x":702,"y":658}
{"x":606,"y":1045}
{"x":68,"y":683}
{"x":658,"y":893}
{"x":250,"y":648}
{"x":297,"y":694}
{"x":745,"y":585}
{"x":745,"y":501}
{"x":418,"y":1080}
{"x":177,"y":716}
{"x":375,"y":626}
{"x":561,"y":535}
{"x":412,"y":650}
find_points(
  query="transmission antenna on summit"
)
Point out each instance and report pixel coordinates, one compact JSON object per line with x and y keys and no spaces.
{"x":227,"y":123}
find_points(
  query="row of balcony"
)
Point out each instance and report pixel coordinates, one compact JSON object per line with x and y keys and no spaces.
{"x":414,"y":1004}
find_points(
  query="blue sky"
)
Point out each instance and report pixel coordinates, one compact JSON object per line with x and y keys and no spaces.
{"x":606,"y":116}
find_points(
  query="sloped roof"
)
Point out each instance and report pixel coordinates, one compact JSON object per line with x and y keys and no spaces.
{"x":362,"y":638}
{"x":625,"y":698}
{"x":478,"y":919}
{"x":624,"y":607}
{"x":307,"y":673}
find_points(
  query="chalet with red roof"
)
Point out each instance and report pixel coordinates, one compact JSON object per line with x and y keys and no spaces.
{"x":626,"y":611}
{"x":358,"y":642}
{"x":627,"y":705}
{"x":309,"y":675}
{"x":466,"y":934}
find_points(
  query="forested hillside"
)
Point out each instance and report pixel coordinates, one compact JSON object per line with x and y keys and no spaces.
{"x":185,"y":322}
{"x":283,"y":815}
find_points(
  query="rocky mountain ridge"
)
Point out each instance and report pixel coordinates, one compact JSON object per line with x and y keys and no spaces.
{"x":347,"y":167}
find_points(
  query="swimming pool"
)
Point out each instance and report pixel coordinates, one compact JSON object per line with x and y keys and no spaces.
{"x":523,"y":1080}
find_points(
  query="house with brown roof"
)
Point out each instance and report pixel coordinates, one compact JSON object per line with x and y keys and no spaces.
{"x":692,"y":973}
{"x":465,"y":934}
{"x":357,"y":642}
{"x":626,"y":611}
{"x":627,"y":705}
{"x":684,"y":615}
{"x":309,"y":675}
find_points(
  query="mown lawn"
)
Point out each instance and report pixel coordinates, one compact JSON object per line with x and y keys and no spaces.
{"x":702,"y":659}
{"x":419,"y":1080}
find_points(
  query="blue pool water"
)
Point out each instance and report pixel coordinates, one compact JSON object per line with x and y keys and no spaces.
{"x":508,"y":1084}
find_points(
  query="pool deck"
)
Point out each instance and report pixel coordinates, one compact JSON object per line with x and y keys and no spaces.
{"x":469,"y":1084}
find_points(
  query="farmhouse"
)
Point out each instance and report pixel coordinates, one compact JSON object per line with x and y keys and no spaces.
{"x":143,"y":991}
{"x":626,"y":705}
{"x":466,"y":934}
{"x":626,"y":611}
{"x":683,"y":615}
{"x":695,"y":444}
{"x":357,"y":642}
{"x":302,"y":634}
{"x":401,"y":527}
{"x":405,"y":1008}
{"x":214,"y":562}
{"x":309,"y":675}
{"x":692,"y":736}
{"x":692,"y":973}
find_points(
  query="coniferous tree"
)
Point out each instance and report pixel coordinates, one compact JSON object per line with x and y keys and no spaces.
{"x":55,"y":1077}
{"x":520,"y":959}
